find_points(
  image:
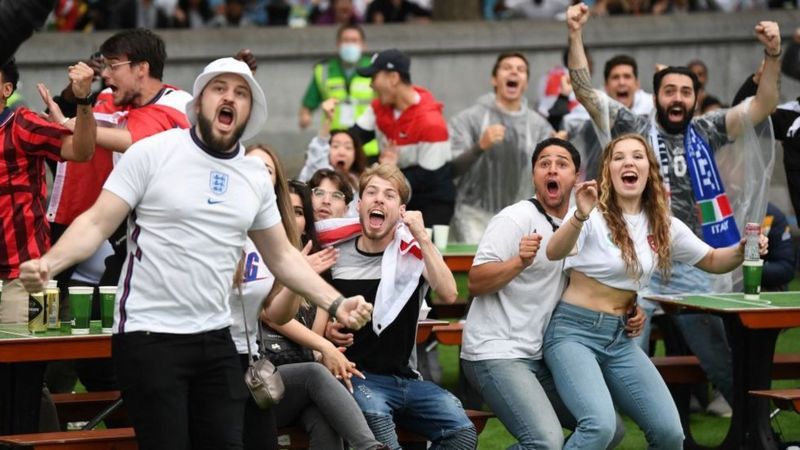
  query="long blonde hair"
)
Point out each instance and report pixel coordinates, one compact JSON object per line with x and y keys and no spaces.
{"x":654,"y":205}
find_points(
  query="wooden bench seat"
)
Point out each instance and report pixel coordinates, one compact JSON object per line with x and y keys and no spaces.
{"x":125,"y":439}
{"x":110,"y":439}
{"x":687,"y":370}
{"x":786,"y":399}
{"x":84,"y":406}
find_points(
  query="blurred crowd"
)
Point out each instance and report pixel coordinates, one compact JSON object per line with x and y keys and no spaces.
{"x":87,"y":15}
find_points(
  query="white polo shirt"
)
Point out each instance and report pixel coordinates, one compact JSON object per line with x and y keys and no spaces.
{"x":191,"y":209}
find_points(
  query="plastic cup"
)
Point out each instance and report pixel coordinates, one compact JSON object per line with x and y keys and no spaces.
{"x":440,"y":233}
{"x":752,"y":269}
{"x":108,"y":295}
{"x":80,"y":305}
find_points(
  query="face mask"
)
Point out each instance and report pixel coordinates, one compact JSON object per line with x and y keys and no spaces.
{"x":350,"y":53}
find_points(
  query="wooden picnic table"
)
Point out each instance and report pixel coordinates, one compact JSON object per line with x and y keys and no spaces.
{"x":752,"y":327}
{"x":23,"y":357}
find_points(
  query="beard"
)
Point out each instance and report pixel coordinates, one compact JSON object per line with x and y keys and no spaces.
{"x":673,"y":127}
{"x":220,"y":144}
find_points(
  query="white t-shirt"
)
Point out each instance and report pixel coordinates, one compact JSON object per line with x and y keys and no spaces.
{"x":599,"y":258}
{"x":510,"y":323}
{"x":191,"y":209}
{"x":256,"y":283}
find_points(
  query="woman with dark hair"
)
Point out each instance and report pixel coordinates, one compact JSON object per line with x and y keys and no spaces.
{"x":300,"y":197}
{"x":610,"y":254}
{"x":331,"y":194}
{"x":338,"y":150}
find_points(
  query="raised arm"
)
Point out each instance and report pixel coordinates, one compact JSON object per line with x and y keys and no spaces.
{"x":80,"y":241}
{"x":766,"y":98}
{"x":436,"y":271}
{"x":579,"y":74}
{"x":293,"y":270}
{"x":80,"y":146}
{"x":564,"y":239}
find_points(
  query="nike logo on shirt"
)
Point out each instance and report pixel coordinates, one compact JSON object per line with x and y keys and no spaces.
{"x":214,"y":202}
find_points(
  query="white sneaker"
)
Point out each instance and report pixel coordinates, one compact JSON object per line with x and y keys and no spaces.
{"x":718,"y":406}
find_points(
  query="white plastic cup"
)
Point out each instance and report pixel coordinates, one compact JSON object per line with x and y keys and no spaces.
{"x":440,"y":234}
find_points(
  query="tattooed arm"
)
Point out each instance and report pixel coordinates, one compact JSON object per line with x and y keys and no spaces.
{"x":766,"y":98}
{"x":581,"y":78}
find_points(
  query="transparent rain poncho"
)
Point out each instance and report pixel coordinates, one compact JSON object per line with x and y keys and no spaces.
{"x":488,"y":181}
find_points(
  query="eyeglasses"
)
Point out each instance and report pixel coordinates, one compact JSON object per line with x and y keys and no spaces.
{"x":113,"y":67}
{"x":321,"y":193}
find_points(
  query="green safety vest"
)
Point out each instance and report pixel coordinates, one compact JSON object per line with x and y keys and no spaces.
{"x":332,"y":84}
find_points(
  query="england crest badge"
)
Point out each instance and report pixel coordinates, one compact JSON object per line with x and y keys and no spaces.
{"x":218,"y":182}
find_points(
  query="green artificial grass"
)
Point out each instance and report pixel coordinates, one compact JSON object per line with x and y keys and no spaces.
{"x":706,"y":429}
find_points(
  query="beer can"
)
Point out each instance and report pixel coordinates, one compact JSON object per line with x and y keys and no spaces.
{"x":37,"y":323}
{"x":752,"y":231}
{"x":52,"y":305}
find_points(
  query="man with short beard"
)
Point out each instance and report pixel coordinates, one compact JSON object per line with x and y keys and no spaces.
{"x":191,"y":197}
{"x":393,"y":263}
{"x":677,"y":138}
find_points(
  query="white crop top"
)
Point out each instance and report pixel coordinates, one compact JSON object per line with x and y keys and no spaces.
{"x":599,"y":258}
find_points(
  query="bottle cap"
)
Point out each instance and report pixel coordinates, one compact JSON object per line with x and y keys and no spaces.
{"x":52,"y":284}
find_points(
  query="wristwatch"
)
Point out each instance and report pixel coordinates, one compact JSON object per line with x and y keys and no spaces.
{"x":84,"y":100}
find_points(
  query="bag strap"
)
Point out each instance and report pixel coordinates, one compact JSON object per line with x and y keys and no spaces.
{"x":247,"y":331}
{"x":541,"y":210}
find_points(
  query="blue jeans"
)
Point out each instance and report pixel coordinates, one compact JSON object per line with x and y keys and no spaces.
{"x":595,"y":365}
{"x":704,"y":333}
{"x":522,"y":394}
{"x":416,"y":405}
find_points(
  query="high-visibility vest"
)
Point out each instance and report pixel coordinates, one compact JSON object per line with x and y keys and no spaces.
{"x":332,"y":84}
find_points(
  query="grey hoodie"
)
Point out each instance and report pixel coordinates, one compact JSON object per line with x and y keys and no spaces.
{"x":491,"y":180}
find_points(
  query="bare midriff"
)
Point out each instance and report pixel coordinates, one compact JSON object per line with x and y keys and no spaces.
{"x":586,"y":292}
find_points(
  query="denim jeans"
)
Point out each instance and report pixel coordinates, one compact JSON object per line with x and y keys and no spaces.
{"x":595,"y":366}
{"x":322,"y":405}
{"x":704,"y":333}
{"x":416,"y":405}
{"x":522,"y":394}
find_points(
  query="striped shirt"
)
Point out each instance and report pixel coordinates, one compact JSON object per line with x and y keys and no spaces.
{"x":77,"y":185}
{"x":27,"y":140}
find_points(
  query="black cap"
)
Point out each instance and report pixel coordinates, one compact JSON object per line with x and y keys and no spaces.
{"x":392,"y":60}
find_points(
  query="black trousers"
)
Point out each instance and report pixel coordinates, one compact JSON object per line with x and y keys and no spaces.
{"x":260,"y":426}
{"x":182,"y":391}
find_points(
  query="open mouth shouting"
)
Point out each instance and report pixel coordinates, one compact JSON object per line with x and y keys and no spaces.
{"x":512,"y":87}
{"x":553,"y":188}
{"x":629,"y":178}
{"x":376,"y":218}
{"x":226,"y":116}
{"x":676,"y":112}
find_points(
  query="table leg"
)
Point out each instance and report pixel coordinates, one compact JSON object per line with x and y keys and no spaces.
{"x":20,"y":397}
{"x":752,"y":351}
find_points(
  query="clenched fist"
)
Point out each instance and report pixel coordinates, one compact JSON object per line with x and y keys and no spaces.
{"x":528,"y":247}
{"x":493,"y":134}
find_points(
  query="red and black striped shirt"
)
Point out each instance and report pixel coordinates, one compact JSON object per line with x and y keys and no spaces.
{"x":26,"y":141}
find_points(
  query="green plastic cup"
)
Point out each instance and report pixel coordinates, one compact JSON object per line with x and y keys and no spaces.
{"x":751,"y":270}
{"x":107,"y":296}
{"x":80,"y":305}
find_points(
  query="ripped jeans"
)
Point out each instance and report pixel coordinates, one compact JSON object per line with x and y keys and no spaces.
{"x":416,"y":405}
